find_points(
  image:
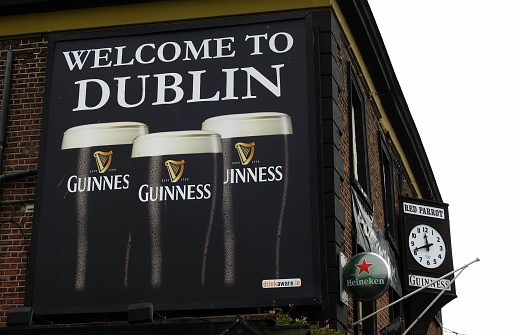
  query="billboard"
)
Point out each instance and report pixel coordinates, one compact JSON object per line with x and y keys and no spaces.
{"x":178,"y":167}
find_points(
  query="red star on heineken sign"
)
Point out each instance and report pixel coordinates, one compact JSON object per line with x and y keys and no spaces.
{"x":363,"y":267}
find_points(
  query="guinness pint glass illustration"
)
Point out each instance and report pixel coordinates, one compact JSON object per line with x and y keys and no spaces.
{"x":255,"y":192}
{"x":178,"y":218}
{"x":94,"y":235}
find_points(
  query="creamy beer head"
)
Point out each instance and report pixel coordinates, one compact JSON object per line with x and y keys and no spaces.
{"x":249,"y":124}
{"x":176,"y":143}
{"x":98,"y":134}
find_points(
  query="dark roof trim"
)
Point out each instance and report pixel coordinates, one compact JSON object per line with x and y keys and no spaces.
{"x":17,"y":7}
{"x":360,"y":19}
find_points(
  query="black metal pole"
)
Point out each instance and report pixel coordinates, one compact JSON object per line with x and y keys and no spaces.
{"x":5,"y":105}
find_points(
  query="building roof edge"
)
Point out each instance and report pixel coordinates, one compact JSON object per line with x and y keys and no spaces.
{"x":367,"y":34}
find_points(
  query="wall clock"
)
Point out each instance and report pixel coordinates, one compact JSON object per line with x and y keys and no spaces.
{"x":427,"y":246}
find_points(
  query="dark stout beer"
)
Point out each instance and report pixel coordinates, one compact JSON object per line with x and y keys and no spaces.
{"x":178,"y":218}
{"x":93,"y":197}
{"x":255,"y":192}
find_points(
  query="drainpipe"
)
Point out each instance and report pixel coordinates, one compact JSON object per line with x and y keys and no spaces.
{"x":17,"y":175}
{"x":5,"y":105}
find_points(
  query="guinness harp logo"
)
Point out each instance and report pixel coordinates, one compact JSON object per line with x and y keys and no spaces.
{"x":175,"y":169}
{"x":103,"y":159}
{"x":245,"y":152}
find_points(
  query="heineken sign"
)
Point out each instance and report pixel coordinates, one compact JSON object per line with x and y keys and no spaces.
{"x":366,"y":276}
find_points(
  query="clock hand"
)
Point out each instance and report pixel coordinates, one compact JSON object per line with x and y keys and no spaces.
{"x":427,"y":246}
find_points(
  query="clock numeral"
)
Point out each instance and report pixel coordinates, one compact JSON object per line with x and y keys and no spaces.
{"x":414,"y":235}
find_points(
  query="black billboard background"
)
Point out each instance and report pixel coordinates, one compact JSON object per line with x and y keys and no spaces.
{"x":44,"y":292}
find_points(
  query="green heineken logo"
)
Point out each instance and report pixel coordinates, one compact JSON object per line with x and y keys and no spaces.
{"x":366,"y":276}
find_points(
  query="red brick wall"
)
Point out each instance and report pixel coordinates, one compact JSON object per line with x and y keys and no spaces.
{"x":20,"y":153}
{"x":374,"y":130}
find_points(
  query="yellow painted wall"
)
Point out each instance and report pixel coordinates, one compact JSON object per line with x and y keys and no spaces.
{"x":145,"y":13}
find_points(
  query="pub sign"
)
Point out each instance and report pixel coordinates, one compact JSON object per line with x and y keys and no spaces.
{"x":427,"y":249}
{"x":366,"y":276}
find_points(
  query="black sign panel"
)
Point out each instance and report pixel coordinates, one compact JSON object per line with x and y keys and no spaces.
{"x":427,"y":245}
{"x":177,"y":167}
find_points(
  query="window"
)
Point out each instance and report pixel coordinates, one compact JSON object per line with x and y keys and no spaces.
{"x":364,"y":309}
{"x":395,"y":314}
{"x":388,"y":195}
{"x":358,"y":141}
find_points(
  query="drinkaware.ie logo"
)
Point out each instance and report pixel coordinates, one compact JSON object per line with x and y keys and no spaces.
{"x":89,"y":182}
{"x":281,"y":283}
{"x":366,"y":276}
{"x":254,"y":174}
{"x":177,"y":190}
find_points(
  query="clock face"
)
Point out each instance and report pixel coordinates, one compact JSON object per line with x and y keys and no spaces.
{"x":427,"y":246}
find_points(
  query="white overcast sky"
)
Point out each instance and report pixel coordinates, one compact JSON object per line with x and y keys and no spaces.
{"x":455,"y":61}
